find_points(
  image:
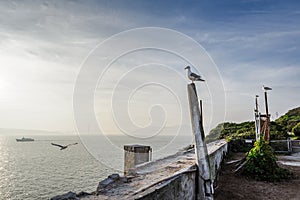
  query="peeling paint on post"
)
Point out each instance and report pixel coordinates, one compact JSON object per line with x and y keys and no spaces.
{"x":205,"y":186}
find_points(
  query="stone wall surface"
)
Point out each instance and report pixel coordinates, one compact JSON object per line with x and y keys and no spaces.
{"x":173,"y":177}
{"x":135,"y":155}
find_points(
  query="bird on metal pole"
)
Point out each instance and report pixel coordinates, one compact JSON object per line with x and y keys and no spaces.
{"x":192,"y":76}
{"x":265,"y":88}
{"x":267,"y":122}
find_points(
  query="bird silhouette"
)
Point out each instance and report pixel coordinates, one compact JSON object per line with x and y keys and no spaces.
{"x":192,"y":76}
{"x":63,"y":147}
{"x":266,"y":88}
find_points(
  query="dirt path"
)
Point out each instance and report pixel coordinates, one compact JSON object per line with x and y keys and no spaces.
{"x":232,"y":186}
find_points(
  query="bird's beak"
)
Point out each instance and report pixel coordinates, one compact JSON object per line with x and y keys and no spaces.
{"x":186,"y":67}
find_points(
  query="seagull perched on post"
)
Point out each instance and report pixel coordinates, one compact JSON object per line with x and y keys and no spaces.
{"x":192,"y":76}
{"x":265,"y":88}
{"x":63,"y":147}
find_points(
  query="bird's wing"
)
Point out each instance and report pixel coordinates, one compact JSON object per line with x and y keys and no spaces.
{"x":72,"y":144}
{"x":57,"y":145}
{"x":267,"y":88}
{"x":195,"y":75}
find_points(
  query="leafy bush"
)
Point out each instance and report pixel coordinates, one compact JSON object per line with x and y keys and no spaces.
{"x":261,"y":164}
{"x":296,"y":130}
{"x":239,"y":146}
{"x":289,"y":120}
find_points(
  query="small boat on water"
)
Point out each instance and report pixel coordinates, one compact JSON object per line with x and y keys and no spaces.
{"x":23,"y":139}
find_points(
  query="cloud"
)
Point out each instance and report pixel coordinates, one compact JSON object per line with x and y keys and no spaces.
{"x":43,"y":44}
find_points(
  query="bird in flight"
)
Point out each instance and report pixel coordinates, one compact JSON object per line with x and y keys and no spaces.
{"x":63,"y":147}
{"x":266,"y":88}
{"x":192,"y":76}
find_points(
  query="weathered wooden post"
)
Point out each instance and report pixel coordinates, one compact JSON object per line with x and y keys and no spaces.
{"x":205,"y":186}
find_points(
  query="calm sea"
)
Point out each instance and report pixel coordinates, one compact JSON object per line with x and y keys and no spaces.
{"x":38,"y":170}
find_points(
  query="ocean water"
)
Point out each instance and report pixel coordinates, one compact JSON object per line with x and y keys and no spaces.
{"x":38,"y":170}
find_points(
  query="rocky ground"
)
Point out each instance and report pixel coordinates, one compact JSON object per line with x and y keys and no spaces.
{"x":235,"y":186}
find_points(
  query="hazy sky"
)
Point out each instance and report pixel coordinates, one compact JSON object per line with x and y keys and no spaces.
{"x":44,"y":43}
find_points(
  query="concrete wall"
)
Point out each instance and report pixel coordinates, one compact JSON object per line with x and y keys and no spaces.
{"x":180,"y":187}
{"x":134,"y":155}
{"x":184,"y":185}
{"x":174,"y":177}
{"x":216,"y":159}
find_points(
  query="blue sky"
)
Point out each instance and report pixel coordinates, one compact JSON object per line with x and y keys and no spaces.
{"x":43,"y":44}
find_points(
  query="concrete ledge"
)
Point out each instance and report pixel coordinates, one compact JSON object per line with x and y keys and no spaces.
{"x":173,"y":177}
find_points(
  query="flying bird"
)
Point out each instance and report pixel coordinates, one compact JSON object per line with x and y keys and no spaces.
{"x":63,"y":147}
{"x":266,"y":88}
{"x":192,"y":76}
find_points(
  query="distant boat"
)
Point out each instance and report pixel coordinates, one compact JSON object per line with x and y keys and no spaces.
{"x":23,"y":139}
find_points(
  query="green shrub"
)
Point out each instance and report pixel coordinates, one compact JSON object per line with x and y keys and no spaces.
{"x":239,"y":145}
{"x":296,"y":130}
{"x":261,"y":164}
{"x":289,"y":120}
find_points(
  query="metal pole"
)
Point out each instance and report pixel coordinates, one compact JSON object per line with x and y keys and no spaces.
{"x":256,"y":104}
{"x":266,"y":102}
{"x":257,"y":120}
{"x":267,"y":130}
{"x":205,"y":186}
{"x":289,"y":143}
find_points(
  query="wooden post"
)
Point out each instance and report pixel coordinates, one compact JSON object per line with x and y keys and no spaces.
{"x":205,"y":187}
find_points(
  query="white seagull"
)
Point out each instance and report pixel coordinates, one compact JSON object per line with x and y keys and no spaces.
{"x":266,"y":88}
{"x":192,"y":76}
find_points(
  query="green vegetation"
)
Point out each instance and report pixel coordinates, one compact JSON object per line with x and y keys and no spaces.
{"x":229,"y":130}
{"x":278,"y":129}
{"x":289,"y":120}
{"x":261,"y":164}
{"x":296,"y":130}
